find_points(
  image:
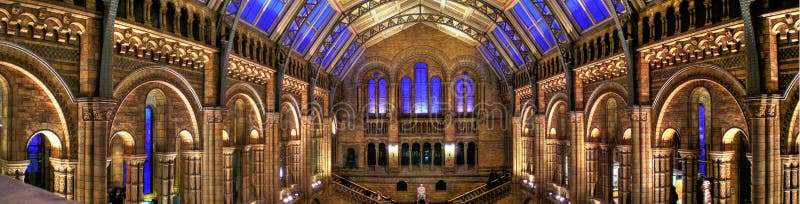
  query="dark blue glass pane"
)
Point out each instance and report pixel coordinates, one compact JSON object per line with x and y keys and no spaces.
{"x":532,"y":9}
{"x":459,"y":95}
{"x":306,"y":41}
{"x":523,"y":15}
{"x":124,"y":171}
{"x":701,"y":124}
{"x":436,"y":95}
{"x":382,"y":100}
{"x":470,"y":95}
{"x":578,"y":13}
{"x":371,"y":96}
{"x":148,"y":149}
{"x":231,"y":8}
{"x":539,"y":39}
{"x":251,"y":10}
{"x":421,"y":88}
{"x":338,"y":44}
{"x":597,"y":9}
{"x":270,"y":14}
{"x":405,"y":94}
{"x":322,"y":20}
{"x":502,"y":38}
{"x":547,"y":34}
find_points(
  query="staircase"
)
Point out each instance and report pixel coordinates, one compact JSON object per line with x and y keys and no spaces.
{"x":486,"y":193}
{"x":357,"y":193}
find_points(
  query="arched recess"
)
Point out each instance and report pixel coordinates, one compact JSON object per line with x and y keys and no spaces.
{"x":317,"y":145}
{"x":42,"y":147}
{"x":696,"y":108}
{"x":23,"y":68}
{"x":290,"y":157}
{"x":120,"y":145}
{"x":790,"y":141}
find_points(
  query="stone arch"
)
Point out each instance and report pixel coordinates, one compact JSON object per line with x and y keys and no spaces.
{"x":129,"y":144}
{"x":164,"y":75}
{"x":367,"y":64}
{"x":251,"y":109}
{"x":56,"y":146}
{"x":38,"y":69}
{"x":185,"y":140}
{"x":682,"y":93}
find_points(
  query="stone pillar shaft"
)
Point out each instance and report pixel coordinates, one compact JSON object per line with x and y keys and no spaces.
{"x":791,"y":179}
{"x":624,"y":156}
{"x":642,"y":156}
{"x":720,"y":175}
{"x":592,"y":167}
{"x":212,"y":160}
{"x":689,"y":160}
{"x":134,"y":189}
{"x":227,"y":168}
{"x":764,"y":123}
{"x":93,"y":130}
{"x":662,"y":164}
{"x":166,"y":169}
{"x":191,"y":184}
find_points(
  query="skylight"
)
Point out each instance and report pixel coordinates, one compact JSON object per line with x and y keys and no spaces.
{"x":536,"y":27}
{"x":586,"y":13}
{"x":338,"y":44}
{"x":498,"y":34}
{"x":261,"y":13}
{"x":313,"y":26}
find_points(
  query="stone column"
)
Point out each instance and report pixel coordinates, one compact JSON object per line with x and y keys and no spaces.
{"x":191,"y":184}
{"x":662,"y":167}
{"x":212,"y":162}
{"x":257,"y":155}
{"x":227,"y":168}
{"x":541,"y":156}
{"x":93,"y":130}
{"x":552,"y":165}
{"x":246,"y":183}
{"x":689,"y":160}
{"x":517,"y":147}
{"x":605,"y":173}
{"x":165,"y":165}
{"x":720,"y":175}
{"x":272,"y":159}
{"x":624,"y":157}
{"x":16,"y":169}
{"x":791,"y":179}
{"x":592,"y":167}
{"x":764,"y":123}
{"x":577,"y":158}
{"x":64,"y":178}
{"x":134,"y":189}
{"x":642,"y":169}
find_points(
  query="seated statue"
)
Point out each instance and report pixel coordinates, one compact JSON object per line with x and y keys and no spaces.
{"x":421,"y":192}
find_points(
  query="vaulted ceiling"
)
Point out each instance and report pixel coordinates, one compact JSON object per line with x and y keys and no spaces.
{"x":509,"y":33}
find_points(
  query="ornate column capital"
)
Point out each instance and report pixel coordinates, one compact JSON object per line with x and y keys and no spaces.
{"x":640,"y":113}
{"x":790,"y":160}
{"x":95,"y":109}
{"x":721,"y":156}
{"x":624,"y":148}
{"x":214,"y":114}
{"x":192,"y":154}
{"x":764,"y":106}
{"x":166,"y":156}
{"x":688,"y":154}
{"x":662,"y":152}
{"x":228,"y":150}
{"x":15,"y":168}
{"x":63,"y":165}
{"x":135,"y":159}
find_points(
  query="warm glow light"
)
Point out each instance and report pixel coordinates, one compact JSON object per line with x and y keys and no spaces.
{"x":449,"y":149}
{"x":293,"y":132}
{"x":393,"y":149}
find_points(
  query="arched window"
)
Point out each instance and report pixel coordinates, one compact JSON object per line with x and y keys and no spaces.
{"x":415,"y":154}
{"x":437,"y":154}
{"x":405,"y":95}
{"x":420,"y":88}
{"x":465,"y":94}
{"x":460,"y":154}
{"x":149,"y":150}
{"x":376,"y":95}
{"x":701,"y":134}
{"x":427,"y":154}
{"x":441,"y":185}
{"x":371,"y":154}
{"x":404,"y":155}
{"x":382,"y":155}
{"x":472,"y":154}
{"x":39,"y":171}
{"x":436,"y":95}
{"x":401,"y":186}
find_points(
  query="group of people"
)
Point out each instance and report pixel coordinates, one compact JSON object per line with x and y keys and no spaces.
{"x":116,"y":195}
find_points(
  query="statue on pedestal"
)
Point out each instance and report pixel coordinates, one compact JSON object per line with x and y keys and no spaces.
{"x":421,"y":193}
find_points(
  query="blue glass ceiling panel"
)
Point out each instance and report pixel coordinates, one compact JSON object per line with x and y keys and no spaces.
{"x":316,"y":21}
{"x":504,"y":40}
{"x":577,"y":12}
{"x":597,"y":9}
{"x":252,"y":9}
{"x":344,"y":36}
{"x":270,"y":14}
{"x":536,"y":27}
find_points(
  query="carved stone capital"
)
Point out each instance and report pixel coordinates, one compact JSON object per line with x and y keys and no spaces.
{"x":624,"y":148}
{"x":720,"y":156}
{"x":192,"y":154}
{"x":214,"y":115}
{"x":166,"y":157}
{"x":688,"y":154}
{"x":762,"y":107}
{"x":97,"y":110}
{"x":135,"y":160}
{"x":662,"y":153}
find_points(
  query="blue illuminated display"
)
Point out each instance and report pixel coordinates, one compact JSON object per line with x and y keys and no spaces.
{"x":701,"y":127}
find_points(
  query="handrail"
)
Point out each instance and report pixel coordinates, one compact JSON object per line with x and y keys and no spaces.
{"x":354,"y":192}
{"x":338,"y":178}
{"x":499,"y":187}
{"x":502,"y":180}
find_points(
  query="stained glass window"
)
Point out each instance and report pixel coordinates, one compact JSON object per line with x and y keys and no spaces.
{"x":382,"y":102}
{"x":436,"y":95}
{"x":701,"y":124}
{"x":459,"y":95}
{"x":148,"y":149}
{"x":371,"y":96}
{"x":405,"y":95}
{"x":470,"y":95}
{"x":420,"y":88}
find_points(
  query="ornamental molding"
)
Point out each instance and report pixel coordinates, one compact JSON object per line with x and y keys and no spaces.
{"x":553,"y":84}
{"x":140,"y":42}
{"x":710,"y":42}
{"x":784,"y":24}
{"x":608,"y":68}
{"x":247,"y":70}
{"x":93,"y":113}
{"x":42,"y":23}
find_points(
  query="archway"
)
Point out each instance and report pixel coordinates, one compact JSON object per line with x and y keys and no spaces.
{"x":40,"y":149}
{"x":120,"y":146}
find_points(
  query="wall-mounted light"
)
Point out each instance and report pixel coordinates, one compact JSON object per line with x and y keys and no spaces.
{"x":293,"y":132}
{"x":393,"y":149}
{"x":525,"y":131}
{"x":449,"y":149}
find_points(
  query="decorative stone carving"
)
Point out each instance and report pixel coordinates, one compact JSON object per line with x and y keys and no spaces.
{"x":90,"y":113}
{"x":141,"y":43}
{"x":41,"y":23}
